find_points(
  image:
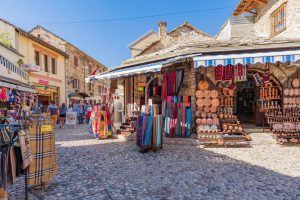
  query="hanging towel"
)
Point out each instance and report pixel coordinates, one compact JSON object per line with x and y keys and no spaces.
{"x":158,"y":131}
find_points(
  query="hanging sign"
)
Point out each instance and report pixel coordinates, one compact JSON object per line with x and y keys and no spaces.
{"x":71,"y":118}
{"x":31,"y":68}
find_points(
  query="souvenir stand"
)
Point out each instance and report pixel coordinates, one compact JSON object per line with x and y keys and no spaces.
{"x":216,"y":121}
{"x":21,"y":145}
{"x":284,"y":120}
{"x":149,"y":129}
{"x":176,"y":108}
{"x":100,"y":122}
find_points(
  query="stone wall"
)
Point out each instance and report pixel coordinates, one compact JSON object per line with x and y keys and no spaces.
{"x":263,"y":20}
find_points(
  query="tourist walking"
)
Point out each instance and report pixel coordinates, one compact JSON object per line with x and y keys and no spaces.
{"x":53,"y":111}
{"x":80,"y":113}
{"x":62,"y":115}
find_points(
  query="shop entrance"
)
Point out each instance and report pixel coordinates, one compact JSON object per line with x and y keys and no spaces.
{"x":246,"y":101}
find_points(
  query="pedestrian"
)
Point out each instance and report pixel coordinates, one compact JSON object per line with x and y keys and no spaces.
{"x":80,"y":113}
{"x":62,"y":115}
{"x":53,"y":111}
{"x":89,"y":112}
{"x":70,"y":108}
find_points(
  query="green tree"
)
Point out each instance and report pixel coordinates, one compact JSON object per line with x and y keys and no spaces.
{"x":5,"y":39}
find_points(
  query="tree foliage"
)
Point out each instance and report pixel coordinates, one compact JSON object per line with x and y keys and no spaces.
{"x":6,"y":39}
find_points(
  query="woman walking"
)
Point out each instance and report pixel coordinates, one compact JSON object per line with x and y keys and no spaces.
{"x":62,"y":115}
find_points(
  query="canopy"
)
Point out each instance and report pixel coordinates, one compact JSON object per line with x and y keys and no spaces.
{"x":247,"y":58}
{"x":137,"y":69}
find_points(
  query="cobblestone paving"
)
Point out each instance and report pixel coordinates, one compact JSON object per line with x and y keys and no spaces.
{"x":111,"y":169}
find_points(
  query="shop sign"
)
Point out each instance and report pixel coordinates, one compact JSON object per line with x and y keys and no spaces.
{"x":31,"y":68}
{"x":43,"y":82}
{"x":13,"y":68}
{"x":71,"y":118}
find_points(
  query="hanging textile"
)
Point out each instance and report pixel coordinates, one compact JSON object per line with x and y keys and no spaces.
{"x":219,"y":73}
{"x":43,"y":166}
{"x":240,"y":73}
{"x":149,"y":129}
{"x":178,"y":116}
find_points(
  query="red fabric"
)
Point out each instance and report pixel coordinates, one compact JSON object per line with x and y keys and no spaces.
{"x":219,"y":72}
{"x":173,"y":83}
{"x":229,"y":73}
{"x":164,"y":92}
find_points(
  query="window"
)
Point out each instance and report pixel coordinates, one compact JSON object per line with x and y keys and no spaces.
{"x":53,"y":66}
{"x":278,"y":18}
{"x":46,"y":63}
{"x":90,"y":86}
{"x":75,"y":83}
{"x":37,"y":57}
{"x":75,"y":61}
{"x":90,"y":69}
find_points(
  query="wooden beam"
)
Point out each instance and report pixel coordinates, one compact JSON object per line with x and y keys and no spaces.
{"x":263,"y":2}
{"x":245,"y":6}
{"x":251,"y":12}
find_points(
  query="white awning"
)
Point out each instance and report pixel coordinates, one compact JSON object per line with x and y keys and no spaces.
{"x":135,"y":70}
{"x":247,"y":58}
{"x":17,"y":87}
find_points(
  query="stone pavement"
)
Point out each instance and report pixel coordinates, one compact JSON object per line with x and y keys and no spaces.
{"x":113,"y":169}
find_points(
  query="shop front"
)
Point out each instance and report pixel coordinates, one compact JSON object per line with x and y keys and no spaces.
{"x":210,"y":95}
{"x":245,"y":89}
{"x":47,"y":89}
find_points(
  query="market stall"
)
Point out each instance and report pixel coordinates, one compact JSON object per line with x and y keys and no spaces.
{"x":216,"y":121}
{"x":284,"y":119}
{"x":100,"y":122}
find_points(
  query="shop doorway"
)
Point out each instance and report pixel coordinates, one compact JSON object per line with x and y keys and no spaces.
{"x":246,"y":101}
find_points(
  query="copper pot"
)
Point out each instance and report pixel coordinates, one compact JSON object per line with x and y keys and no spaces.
{"x":296,"y":83}
{"x":203,"y":85}
{"x":199,"y":94}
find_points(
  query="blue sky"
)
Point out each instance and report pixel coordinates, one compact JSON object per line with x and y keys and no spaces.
{"x":107,"y":41}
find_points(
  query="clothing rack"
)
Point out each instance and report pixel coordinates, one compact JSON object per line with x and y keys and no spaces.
{"x":10,"y":143}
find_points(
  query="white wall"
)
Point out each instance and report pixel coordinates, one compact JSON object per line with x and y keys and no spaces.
{"x":225,"y":33}
{"x":13,"y":58}
{"x":263,"y":20}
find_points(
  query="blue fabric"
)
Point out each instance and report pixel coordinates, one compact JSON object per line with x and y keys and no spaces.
{"x":148,"y":134}
{"x":158,"y":131}
{"x":189,"y":121}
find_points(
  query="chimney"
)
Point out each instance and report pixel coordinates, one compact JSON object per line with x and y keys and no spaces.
{"x":162,"y":29}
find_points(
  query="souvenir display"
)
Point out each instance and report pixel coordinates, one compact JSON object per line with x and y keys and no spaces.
{"x":176,"y":109}
{"x":284,"y":120}
{"x":285,"y":124}
{"x":178,"y":116}
{"x":207,"y":121}
{"x":149,"y":129}
{"x":100,"y":122}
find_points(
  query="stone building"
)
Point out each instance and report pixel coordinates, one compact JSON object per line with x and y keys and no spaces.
{"x":78,"y":67}
{"x":45,"y":64}
{"x":263,"y":19}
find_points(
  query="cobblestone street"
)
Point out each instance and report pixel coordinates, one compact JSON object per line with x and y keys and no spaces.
{"x":112,"y":169}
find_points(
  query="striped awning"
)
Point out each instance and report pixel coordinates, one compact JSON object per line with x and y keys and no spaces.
{"x":246,"y":58}
{"x":135,"y":70}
